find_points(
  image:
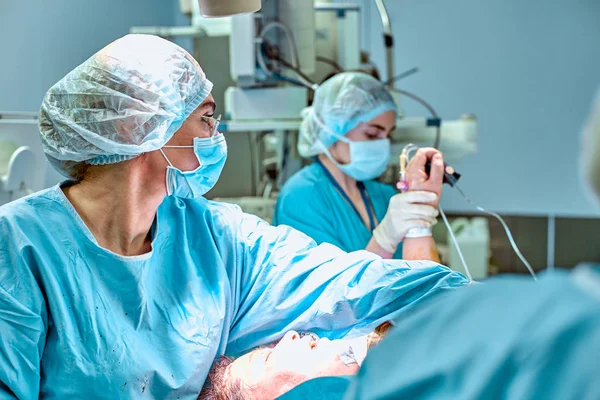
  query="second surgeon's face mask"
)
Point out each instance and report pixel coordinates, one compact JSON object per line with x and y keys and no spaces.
{"x":368,"y":159}
{"x":211,"y":154}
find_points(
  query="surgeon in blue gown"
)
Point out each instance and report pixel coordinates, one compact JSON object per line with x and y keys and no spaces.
{"x":336,"y":198}
{"x":124,"y":282}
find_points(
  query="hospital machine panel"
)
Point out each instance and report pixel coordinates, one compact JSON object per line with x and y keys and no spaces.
{"x":287,"y":24}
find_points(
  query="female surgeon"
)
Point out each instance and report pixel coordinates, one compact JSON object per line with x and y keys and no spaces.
{"x":124,"y":282}
{"x":336,"y":199}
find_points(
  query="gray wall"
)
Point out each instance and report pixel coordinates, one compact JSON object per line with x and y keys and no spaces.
{"x":43,"y":40}
{"x":528,"y":70}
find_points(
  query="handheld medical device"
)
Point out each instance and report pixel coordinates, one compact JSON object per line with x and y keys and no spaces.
{"x":451,"y":178}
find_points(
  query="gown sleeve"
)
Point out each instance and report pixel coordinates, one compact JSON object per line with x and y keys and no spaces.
{"x":287,"y":282}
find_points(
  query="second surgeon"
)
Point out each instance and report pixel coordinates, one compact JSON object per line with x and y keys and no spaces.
{"x":336,"y":199}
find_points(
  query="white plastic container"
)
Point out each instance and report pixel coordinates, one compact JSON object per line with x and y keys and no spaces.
{"x":473,"y":237}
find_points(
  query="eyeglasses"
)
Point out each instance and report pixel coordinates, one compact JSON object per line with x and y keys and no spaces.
{"x":213,"y":123}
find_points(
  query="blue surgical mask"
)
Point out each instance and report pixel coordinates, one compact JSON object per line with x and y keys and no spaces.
{"x":368,"y":159}
{"x":211,"y":154}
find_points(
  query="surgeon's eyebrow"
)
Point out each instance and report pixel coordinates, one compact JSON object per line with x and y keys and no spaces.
{"x":382,"y":128}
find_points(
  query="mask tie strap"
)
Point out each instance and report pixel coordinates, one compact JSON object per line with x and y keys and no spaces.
{"x":165,"y":156}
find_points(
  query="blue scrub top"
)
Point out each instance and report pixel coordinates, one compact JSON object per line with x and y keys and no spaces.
{"x":79,"y":321}
{"x":310,"y":203}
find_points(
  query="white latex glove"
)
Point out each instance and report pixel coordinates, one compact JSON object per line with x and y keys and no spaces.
{"x":403,"y":214}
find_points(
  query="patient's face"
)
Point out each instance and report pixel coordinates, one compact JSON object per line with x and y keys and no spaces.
{"x":269,"y":372}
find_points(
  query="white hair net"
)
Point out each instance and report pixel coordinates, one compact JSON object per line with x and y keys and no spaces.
{"x":127,"y":99}
{"x":339,"y":105}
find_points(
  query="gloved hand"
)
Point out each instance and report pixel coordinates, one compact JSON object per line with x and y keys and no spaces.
{"x":403,"y":214}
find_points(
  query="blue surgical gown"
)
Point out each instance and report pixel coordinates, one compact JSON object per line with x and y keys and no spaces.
{"x":78,"y":321}
{"x":510,"y":338}
{"x":310,"y":203}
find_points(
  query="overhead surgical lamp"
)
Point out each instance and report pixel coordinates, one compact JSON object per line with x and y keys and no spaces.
{"x":226,"y":8}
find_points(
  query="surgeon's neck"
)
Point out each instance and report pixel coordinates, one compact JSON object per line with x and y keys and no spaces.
{"x":347,"y":183}
{"x":118,"y":204}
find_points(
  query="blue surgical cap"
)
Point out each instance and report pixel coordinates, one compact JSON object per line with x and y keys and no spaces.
{"x":126,"y":100}
{"x":339,"y":105}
